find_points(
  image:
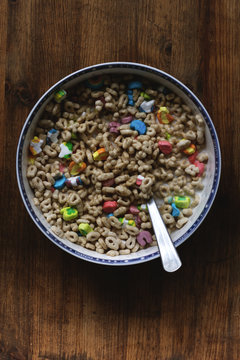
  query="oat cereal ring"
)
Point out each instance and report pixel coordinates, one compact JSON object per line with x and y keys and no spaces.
{"x":74,"y":199}
{"x":114,"y":222}
{"x":146,"y":184}
{"x":71,"y":236}
{"x":122,"y":190}
{"x":131,"y":242}
{"x":57,"y":231}
{"x":168,"y":218}
{"x":31,"y":171}
{"x":121,"y":178}
{"x":181,"y":222}
{"x":112,"y":253}
{"x":132,"y":230}
{"x":90,"y":246}
{"x":124,"y":251}
{"x":37,"y":184}
{"x":93,"y":236}
{"x":89,"y":156}
{"x":166,"y":209}
{"x":120,"y":211}
{"x":102,"y":243}
{"x":112,"y":242}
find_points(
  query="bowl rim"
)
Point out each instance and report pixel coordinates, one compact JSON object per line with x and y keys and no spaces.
{"x":91,"y":69}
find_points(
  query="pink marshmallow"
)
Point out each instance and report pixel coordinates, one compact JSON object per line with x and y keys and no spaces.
{"x":201,"y":167}
{"x":126,"y":119}
{"x":144,"y":237}
{"x":192,"y":158}
{"x":165,"y":147}
{"x":134,"y":210}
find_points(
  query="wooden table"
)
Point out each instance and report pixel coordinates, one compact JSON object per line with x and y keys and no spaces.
{"x":54,"y":306}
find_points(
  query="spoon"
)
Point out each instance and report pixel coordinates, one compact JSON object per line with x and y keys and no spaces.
{"x":169,"y":256}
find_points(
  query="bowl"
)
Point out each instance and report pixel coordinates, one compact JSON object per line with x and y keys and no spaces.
{"x":211,"y":180}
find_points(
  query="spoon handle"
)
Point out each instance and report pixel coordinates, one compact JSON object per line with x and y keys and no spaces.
{"x":169,"y":256}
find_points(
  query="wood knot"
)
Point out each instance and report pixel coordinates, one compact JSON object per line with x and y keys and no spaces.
{"x":168,"y":48}
{"x":8,"y":87}
{"x":23,"y":93}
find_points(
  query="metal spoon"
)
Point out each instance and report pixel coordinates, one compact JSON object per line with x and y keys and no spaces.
{"x":169,"y":256}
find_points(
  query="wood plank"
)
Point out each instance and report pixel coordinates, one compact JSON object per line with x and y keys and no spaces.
{"x":56,"y":307}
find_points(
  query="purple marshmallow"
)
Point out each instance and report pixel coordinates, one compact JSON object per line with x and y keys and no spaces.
{"x":126,"y":119}
{"x":144,"y":237}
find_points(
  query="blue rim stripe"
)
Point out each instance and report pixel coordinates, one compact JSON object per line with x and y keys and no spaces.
{"x":117,"y":65}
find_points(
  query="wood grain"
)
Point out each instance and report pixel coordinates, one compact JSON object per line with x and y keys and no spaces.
{"x":56,"y":307}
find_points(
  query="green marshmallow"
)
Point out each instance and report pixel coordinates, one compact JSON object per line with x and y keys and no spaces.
{"x":182,"y":202}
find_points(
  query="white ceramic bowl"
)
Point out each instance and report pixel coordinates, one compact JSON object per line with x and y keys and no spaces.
{"x":211,"y":180}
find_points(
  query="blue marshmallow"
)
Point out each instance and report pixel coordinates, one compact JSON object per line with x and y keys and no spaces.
{"x":175,"y":210}
{"x":109,"y":215}
{"x":139,"y":126}
{"x":60,"y":183}
{"x":130,"y":97}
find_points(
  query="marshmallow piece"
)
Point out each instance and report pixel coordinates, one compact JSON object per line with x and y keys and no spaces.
{"x":109,"y":206}
{"x":163,"y":115}
{"x":60,"y":183}
{"x":165,"y":147}
{"x":126,"y":119}
{"x":73,"y":181}
{"x":139,"y":180}
{"x":69,"y":213}
{"x":75,"y":168}
{"x":52,"y":136}
{"x":182,"y":202}
{"x":139,"y":126}
{"x":190,"y":150}
{"x":134,"y":210}
{"x":147,"y":106}
{"x":100,"y":154}
{"x":84,"y":229}
{"x":66,"y":150}
{"x":60,"y":95}
{"x":175,"y":210}
{"x":201,"y":167}
{"x":35,"y":145}
{"x":144,"y":237}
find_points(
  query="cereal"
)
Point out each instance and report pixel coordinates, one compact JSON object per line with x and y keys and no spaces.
{"x":190,"y":150}
{"x":175,"y":211}
{"x":76,"y":168}
{"x":103,"y":149}
{"x":139,"y":126}
{"x":60,"y":96}
{"x":69,"y":213}
{"x":163,"y":115}
{"x":144,"y":237}
{"x":60,"y":182}
{"x":100,"y":154}
{"x":84,"y":228}
{"x":35,"y":145}
{"x":200,"y":166}
{"x":165,"y":147}
{"x":73,"y":181}
{"x":147,"y":106}
{"x":52,"y":136}
{"x":109,"y":206}
{"x":66,"y":150}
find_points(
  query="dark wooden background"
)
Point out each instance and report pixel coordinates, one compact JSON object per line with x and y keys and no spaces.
{"x":56,"y":307}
